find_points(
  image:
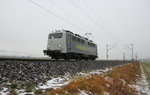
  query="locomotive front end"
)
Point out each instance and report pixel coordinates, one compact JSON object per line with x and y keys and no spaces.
{"x":56,"y":44}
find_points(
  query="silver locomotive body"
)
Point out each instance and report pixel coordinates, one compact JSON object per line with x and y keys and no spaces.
{"x":64,"y":44}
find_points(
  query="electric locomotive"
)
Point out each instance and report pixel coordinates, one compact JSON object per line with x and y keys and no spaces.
{"x":63,"y":44}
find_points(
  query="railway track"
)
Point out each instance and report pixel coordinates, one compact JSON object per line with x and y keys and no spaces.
{"x":27,"y":69}
{"x":61,"y":60}
{"x":25,"y":59}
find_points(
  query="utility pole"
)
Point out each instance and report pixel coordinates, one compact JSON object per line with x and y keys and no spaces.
{"x":136,"y":56}
{"x":108,"y":49}
{"x":124,"y":56}
{"x":131,"y":48}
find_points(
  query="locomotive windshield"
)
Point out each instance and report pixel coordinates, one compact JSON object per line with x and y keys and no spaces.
{"x":57,"y":35}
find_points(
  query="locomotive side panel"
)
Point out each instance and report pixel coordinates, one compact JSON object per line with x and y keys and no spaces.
{"x":81,"y":46}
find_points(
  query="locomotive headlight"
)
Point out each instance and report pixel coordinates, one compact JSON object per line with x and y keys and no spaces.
{"x":59,"y":45}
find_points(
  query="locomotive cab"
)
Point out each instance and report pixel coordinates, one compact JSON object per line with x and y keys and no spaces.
{"x":55,"y":41}
{"x":56,"y":44}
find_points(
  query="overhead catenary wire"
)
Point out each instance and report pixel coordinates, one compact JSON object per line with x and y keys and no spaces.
{"x":95,"y":22}
{"x":93,"y":12}
{"x":87,"y":15}
{"x":99,"y":19}
{"x":68,"y":13}
{"x":52,"y":13}
{"x":60,"y":17}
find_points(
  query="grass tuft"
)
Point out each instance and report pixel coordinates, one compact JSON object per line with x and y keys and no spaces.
{"x":29,"y":87}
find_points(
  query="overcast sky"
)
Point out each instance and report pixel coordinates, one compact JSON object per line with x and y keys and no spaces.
{"x":24,"y":26}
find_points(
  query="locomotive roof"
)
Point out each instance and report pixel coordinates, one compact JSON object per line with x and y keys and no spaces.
{"x":76,"y":35}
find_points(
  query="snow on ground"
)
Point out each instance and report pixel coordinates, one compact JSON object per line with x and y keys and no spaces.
{"x":88,"y":93}
{"x":99,"y":71}
{"x":142,"y":86}
{"x":83,"y":93}
{"x":4,"y":91}
{"x":22,"y":92}
{"x":54,"y":83}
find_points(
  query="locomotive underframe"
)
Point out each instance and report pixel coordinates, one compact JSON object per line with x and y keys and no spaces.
{"x":56,"y":54}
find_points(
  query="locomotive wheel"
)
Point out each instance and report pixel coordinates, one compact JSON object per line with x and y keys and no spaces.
{"x":67,"y":57}
{"x":56,"y":58}
{"x":86,"y":59}
{"x":76,"y":58}
{"x":79,"y":58}
{"x":93,"y":58}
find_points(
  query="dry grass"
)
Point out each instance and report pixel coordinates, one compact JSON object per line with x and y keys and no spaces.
{"x":12,"y":92}
{"x":146,"y":68}
{"x":115,"y":82}
{"x":122,"y":77}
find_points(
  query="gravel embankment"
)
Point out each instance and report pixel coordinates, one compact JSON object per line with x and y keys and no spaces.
{"x":35,"y":71}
